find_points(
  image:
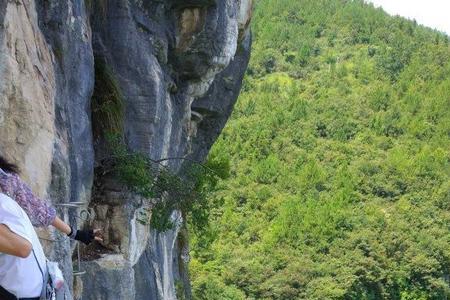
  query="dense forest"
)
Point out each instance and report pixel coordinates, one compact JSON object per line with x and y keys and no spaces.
{"x":338,"y":162}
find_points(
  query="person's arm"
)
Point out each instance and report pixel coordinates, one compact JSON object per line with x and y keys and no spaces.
{"x":61,"y":226}
{"x":40,"y":212}
{"x":85,"y":236}
{"x":13,"y":244}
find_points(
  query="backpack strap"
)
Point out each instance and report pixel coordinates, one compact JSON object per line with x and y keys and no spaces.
{"x":45,"y":277}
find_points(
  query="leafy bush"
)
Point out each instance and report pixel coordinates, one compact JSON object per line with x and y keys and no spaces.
{"x":168,"y":191}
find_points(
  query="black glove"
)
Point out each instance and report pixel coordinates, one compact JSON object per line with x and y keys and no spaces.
{"x":84,"y":236}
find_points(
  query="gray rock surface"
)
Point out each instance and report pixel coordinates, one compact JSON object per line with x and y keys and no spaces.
{"x":156,"y":272}
{"x":114,"y":279}
{"x":65,"y":25}
{"x":178,"y":65}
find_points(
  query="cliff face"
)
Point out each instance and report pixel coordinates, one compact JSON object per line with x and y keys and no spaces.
{"x":178,"y":66}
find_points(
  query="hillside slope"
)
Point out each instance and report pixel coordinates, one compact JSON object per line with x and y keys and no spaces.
{"x":339,"y":159}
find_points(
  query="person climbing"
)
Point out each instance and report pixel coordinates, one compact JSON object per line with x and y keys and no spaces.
{"x":22,"y":259}
{"x":40,"y":213}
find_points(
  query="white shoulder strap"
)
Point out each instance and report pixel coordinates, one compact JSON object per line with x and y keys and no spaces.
{"x":44,"y":277}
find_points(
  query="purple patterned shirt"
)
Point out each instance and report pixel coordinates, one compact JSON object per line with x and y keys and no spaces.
{"x":41,"y":214}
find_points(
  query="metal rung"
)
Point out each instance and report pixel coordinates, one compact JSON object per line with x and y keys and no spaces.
{"x":72,"y":204}
{"x":78,"y":273}
{"x":196,"y":115}
{"x":49,"y":240}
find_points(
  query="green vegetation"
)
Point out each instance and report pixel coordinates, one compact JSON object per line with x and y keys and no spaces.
{"x":107,"y":102}
{"x":154,"y":181}
{"x":340,"y":163}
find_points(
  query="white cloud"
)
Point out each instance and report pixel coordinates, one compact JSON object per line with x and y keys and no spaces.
{"x":431,"y":13}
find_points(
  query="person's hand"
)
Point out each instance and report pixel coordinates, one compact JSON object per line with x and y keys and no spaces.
{"x":86,"y":236}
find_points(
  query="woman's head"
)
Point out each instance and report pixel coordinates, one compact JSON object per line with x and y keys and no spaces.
{"x":7,"y":166}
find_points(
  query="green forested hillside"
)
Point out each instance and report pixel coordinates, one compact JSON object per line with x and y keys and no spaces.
{"x":339,"y":155}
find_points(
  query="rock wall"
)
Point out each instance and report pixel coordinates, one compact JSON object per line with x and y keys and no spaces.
{"x":27,"y":94}
{"x":178,"y":65}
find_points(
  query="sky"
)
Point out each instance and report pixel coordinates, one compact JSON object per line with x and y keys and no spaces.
{"x":431,"y":13}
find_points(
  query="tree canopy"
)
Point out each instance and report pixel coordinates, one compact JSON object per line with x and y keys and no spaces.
{"x":339,"y":156}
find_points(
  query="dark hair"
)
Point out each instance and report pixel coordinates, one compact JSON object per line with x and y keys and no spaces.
{"x":7,"y":166}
